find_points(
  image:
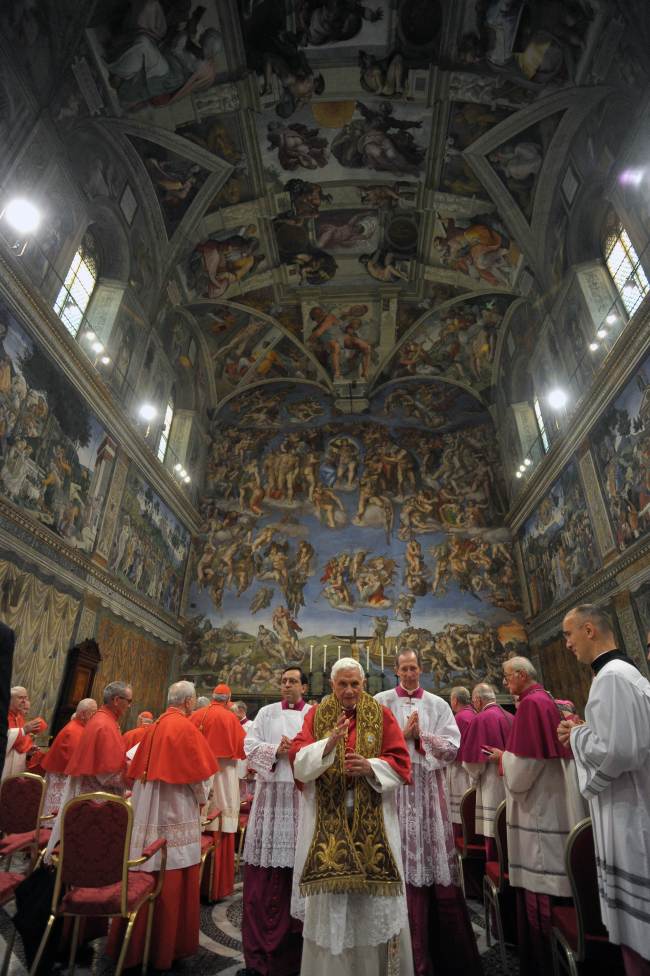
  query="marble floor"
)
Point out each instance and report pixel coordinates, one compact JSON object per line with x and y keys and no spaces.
{"x":220,"y":945}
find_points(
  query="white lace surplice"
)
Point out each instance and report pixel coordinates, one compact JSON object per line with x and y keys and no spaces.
{"x":273,"y":822}
{"x":337,"y":922}
{"x":54,"y":787}
{"x":424,"y":821}
{"x":168,"y":810}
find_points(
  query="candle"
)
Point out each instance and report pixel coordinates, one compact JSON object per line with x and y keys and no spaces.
{"x":311,"y":658}
{"x":382,"y":658}
{"x":367,"y":660}
{"x":324,"y":657}
{"x":339,"y":652}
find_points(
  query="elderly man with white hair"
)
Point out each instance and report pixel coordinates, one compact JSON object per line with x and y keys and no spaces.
{"x":172,"y":771}
{"x":350,"y":757}
{"x":57,"y":757}
{"x":543,"y":804}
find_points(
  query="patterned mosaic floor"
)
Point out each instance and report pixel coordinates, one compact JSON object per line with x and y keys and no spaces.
{"x":220,"y":950}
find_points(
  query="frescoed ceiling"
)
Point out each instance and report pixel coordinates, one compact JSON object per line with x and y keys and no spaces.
{"x":337,"y":191}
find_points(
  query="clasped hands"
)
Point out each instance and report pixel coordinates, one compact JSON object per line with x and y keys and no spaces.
{"x":412,"y":727}
{"x":564,"y":730}
{"x":355,"y":765}
{"x":34,"y":725}
{"x":284,"y":746}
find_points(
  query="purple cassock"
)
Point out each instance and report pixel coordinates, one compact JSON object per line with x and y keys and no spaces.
{"x":490,"y":728}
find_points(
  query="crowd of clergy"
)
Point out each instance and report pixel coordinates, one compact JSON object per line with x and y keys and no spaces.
{"x":350,"y":862}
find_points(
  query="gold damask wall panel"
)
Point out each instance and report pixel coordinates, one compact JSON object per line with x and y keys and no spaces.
{"x":43,"y":619}
{"x":127,"y":655}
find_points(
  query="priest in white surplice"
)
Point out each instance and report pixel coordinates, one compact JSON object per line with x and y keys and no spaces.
{"x":441,"y":931}
{"x":271,"y":938}
{"x":348,"y":889}
{"x":543,"y":804}
{"x":612,"y":754}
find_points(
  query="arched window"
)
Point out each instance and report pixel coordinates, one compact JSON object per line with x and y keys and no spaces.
{"x":624,"y":266}
{"x":79,"y":284}
{"x":167,"y":426}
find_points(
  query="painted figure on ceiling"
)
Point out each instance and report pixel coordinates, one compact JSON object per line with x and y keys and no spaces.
{"x":328,"y":21}
{"x":379,"y":141}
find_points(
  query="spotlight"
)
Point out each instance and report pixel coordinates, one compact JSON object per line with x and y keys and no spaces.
{"x":22,"y":215}
{"x":611,"y":318}
{"x":522,"y":468}
{"x":602,"y":333}
{"x":183,"y":473}
{"x":97,"y":347}
{"x":177,"y":467}
{"x":148,"y":412}
{"x":593,"y":346}
{"x":518,"y":474}
{"x":557,"y":399}
{"x":631,"y":177}
{"x":527,"y":462}
{"x":105,"y":360}
{"x":90,"y":336}
{"x":187,"y":479}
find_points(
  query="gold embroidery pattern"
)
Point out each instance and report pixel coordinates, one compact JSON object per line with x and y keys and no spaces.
{"x":342,"y":857}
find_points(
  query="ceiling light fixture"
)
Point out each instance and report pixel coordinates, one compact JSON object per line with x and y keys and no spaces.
{"x":593,"y":346}
{"x":177,"y":467}
{"x":148,"y":412}
{"x":22,"y":215}
{"x":518,"y":474}
{"x":90,"y":335}
{"x":557,"y":399}
{"x":105,"y":360}
{"x":187,"y":479}
{"x":527,"y":462}
{"x":602,"y":333}
{"x":97,"y":348}
{"x":611,"y":318}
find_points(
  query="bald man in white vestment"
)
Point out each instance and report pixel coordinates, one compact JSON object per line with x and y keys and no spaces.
{"x":612,"y":755}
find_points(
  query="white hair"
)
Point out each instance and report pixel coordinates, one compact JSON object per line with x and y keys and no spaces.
{"x":202,"y":701}
{"x":179,"y":691}
{"x":522,"y":664}
{"x":346,"y":664}
{"x":85,"y":705}
{"x":18,"y":690}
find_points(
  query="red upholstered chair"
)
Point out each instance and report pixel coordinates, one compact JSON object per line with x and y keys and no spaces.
{"x":496,"y":883}
{"x":21,"y":806}
{"x":578,"y":932}
{"x":472,"y":845}
{"x":92,"y":871}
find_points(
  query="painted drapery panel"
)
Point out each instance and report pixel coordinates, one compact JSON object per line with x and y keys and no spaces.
{"x":54,"y":454}
{"x":43,"y":619}
{"x":127,"y":655}
{"x":316,"y":524}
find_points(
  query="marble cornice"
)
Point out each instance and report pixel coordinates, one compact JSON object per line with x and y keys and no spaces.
{"x":44,"y":548}
{"x":605,"y":582}
{"x":615,"y":371}
{"x":44,"y":325}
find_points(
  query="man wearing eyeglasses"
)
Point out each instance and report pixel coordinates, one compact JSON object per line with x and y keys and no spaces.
{"x":99,"y":760}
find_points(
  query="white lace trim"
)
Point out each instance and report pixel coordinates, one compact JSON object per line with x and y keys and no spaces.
{"x":272,"y":826}
{"x":425,"y":830}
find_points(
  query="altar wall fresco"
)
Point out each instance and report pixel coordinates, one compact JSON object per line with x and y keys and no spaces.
{"x":316,"y":523}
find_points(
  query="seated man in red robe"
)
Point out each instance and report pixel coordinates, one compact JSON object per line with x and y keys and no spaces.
{"x":57,"y":757}
{"x":172,"y":772}
{"x":20,"y":744}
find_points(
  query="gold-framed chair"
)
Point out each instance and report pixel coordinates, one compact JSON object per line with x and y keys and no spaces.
{"x":93,"y":872}
{"x":21,"y":816}
{"x":242,"y":827}
{"x":496,"y":883}
{"x":578,"y":934}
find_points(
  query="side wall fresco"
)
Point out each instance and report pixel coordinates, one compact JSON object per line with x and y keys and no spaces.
{"x":318,"y":525}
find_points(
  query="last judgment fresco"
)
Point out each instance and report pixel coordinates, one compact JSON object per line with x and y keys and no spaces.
{"x":325,"y":534}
